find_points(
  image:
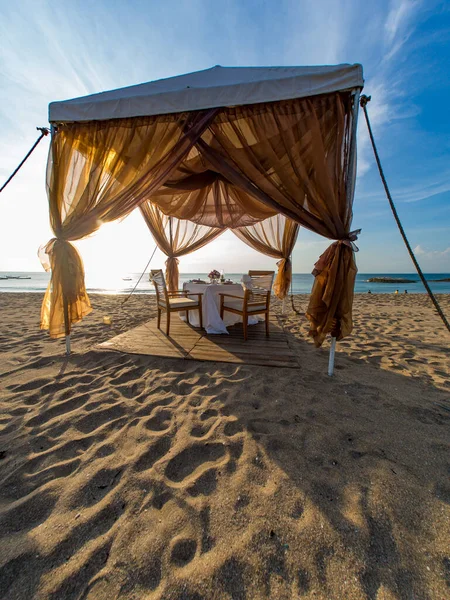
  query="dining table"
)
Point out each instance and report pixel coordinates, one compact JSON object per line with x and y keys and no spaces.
{"x":211,"y":306}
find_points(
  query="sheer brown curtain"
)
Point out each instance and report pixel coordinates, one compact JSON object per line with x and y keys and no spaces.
{"x":98,"y":172}
{"x":274,"y":237}
{"x":175,"y":238}
{"x":202,"y":195}
{"x":294,"y":157}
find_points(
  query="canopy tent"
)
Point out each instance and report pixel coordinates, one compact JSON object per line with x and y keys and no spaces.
{"x":221,"y":148}
{"x":211,"y":88}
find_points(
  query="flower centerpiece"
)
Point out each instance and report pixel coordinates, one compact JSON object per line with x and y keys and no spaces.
{"x":214,"y":276}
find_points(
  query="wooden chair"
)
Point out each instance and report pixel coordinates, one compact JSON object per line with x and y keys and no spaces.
{"x":173,"y":301}
{"x":256,"y":300}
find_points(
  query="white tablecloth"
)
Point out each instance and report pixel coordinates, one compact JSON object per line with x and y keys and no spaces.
{"x":211,"y":306}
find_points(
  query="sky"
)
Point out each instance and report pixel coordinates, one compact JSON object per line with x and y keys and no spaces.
{"x":52,"y":50}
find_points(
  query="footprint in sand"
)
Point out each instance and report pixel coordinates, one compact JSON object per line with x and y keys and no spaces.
{"x":205,"y":484}
{"x":97,"y":487}
{"x":208,"y":414}
{"x":191,"y":458}
{"x":200,"y":431}
{"x":232,"y":428}
{"x":183,"y":551}
{"x":160,"y":422}
{"x":156,"y":451}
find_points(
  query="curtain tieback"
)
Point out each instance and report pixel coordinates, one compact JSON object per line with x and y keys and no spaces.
{"x":45,"y":251}
{"x":284,"y":262}
{"x":350,"y":239}
{"x":326,"y":256}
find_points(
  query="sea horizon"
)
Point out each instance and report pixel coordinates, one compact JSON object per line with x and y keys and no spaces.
{"x":124,"y":283}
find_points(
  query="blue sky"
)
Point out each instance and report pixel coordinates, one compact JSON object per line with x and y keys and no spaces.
{"x":53,"y":50}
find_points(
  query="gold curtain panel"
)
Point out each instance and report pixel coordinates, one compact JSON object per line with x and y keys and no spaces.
{"x":175,"y":238}
{"x":274,"y":237}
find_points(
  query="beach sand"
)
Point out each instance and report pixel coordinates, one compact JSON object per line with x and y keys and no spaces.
{"x":124,"y":476}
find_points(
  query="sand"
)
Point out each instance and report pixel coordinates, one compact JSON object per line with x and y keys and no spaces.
{"x":151,"y":478}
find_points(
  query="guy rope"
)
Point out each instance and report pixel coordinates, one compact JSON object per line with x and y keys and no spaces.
{"x":44,"y":132}
{"x":363,"y":102}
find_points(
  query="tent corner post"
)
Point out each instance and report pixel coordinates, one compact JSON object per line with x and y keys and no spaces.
{"x":331,"y":357}
{"x":283,"y":307}
{"x":66,"y":324}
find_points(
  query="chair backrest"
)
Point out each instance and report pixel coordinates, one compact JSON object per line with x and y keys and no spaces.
{"x":157,"y":276}
{"x":262,"y":280}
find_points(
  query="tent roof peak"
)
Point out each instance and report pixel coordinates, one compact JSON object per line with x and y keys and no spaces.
{"x":210,"y":88}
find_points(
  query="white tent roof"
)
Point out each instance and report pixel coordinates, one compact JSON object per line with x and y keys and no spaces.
{"x":211,"y":88}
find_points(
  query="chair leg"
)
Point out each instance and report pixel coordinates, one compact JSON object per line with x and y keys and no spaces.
{"x":221,"y":307}
{"x":245,"y":325}
{"x":159,"y":318}
{"x":267,"y":324}
{"x":168,"y":323}
{"x":200,"y":312}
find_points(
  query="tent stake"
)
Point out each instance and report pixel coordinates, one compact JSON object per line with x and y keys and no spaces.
{"x":68,"y":344}
{"x":331,"y":358}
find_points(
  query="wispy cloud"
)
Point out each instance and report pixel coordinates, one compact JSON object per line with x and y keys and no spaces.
{"x":431,"y":254}
{"x":397,"y":26}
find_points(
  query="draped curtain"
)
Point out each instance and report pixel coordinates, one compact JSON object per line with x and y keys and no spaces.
{"x":175,"y":238}
{"x":274,"y":237}
{"x":98,"y":172}
{"x":199,"y":193}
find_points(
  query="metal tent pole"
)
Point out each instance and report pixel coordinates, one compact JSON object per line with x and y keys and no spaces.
{"x":68,"y":344}
{"x":67,"y":324}
{"x":331,"y":357}
{"x":350,"y":192}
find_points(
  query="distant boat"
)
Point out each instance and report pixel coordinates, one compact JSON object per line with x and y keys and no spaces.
{"x":127,"y":278}
{"x":14,"y":277}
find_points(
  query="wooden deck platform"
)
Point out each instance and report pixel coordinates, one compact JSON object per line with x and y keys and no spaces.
{"x":192,"y":343}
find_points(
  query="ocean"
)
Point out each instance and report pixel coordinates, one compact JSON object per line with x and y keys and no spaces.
{"x":123,"y":283}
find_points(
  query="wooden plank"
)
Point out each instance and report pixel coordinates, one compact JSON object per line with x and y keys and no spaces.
{"x":263,"y":353}
{"x":242,"y":359}
{"x":240,"y":348}
{"x":250,"y":343}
